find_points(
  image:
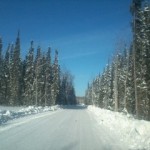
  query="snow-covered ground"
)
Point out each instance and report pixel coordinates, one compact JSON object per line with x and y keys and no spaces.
{"x":9,"y":113}
{"x":71,"y":128}
{"x":136,"y":133}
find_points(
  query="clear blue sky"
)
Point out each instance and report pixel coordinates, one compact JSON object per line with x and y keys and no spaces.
{"x":85,"y":32}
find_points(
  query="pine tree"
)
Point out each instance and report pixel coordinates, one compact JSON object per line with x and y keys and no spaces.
{"x":7,"y":76}
{"x":31,"y":81}
{"x":43,"y":82}
{"x":11,"y":100}
{"x":140,"y":40}
{"x":95,"y":91}
{"x":22,"y":81}
{"x":130,"y":89}
{"x":55,"y":79}
{"x":146,"y":46}
{"x":145,"y":55}
{"x":108,"y":87}
{"x":29,"y":98}
{"x":116,"y":89}
{"x":125,"y":85}
{"x":67,"y":91}
{"x":135,"y":8}
{"x":88,"y":95}
{"x":48,"y":78}
{"x":37,"y":80}
{"x":125,"y":71}
{"x":1,"y":72}
{"x":15,"y":78}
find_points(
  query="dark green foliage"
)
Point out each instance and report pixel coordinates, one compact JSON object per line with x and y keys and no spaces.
{"x":32,"y":81}
{"x":29,"y":98}
{"x":15,"y":75}
{"x":1,"y":73}
{"x":48,"y":78}
{"x":125,"y":83}
{"x":55,"y":79}
{"x":67,"y":91}
{"x":6,"y":78}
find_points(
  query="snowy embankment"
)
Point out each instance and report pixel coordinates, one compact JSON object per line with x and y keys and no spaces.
{"x":9,"y":113}
{"x":136,"y":133}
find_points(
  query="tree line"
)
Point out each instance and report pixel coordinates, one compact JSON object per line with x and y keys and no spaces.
{"x":124,"y":85}
{"x":35,"y":80}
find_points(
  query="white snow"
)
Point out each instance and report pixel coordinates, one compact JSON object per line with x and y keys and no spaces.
{"x":9,"y":113}
{"x":136,"y":133}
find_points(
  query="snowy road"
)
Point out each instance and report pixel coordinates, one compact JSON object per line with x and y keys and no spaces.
{"x":67,"y":129}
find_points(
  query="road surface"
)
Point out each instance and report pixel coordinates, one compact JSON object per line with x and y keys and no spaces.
{"x":72,"y":128}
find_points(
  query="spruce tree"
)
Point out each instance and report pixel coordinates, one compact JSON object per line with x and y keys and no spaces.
{"x":48,"y":78}
{"x":140,"y":39}
{"x":29,"y":98}
{"x":137,"y":4}
{"x":7,"y":76}
{"x":67,"y":91}
{"x":1,"y":72}
{"x":37,"y":80}
{"x":55,"y":79}
{"x":16,"y":74}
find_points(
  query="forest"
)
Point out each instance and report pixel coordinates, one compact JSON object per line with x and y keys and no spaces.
{"x":36,"y":80}
{"x":124,"y":84}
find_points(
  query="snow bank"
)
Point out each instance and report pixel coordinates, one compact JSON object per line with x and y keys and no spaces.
{"x":8,"y":113}
{"x":134,"y":132}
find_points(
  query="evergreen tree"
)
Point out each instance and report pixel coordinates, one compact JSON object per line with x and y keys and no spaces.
{"x":32,"y":81}
{"x":115,"y":82}
{"x":140,"y":42}
{"x":29,"y":98}
{"x":37,"y":80}
{"x":108,"y":87}
{"x":22,"y":81}
{"x":146,"y":47}
{"x":125,"y":85}
{"x":67,"y":91}
{"x":145,"y":55}
{"x":43,"y":82}
{"x":101,"y":98}
{"x":7,"y":76}
{"x":16,"y":74}
{"x":130,"y":93}
{"x":48,"y":78}
{"x":1,"y":72}
{"x":55,"y":79}
{"x":88,"y":96}
{"x":11,"y":100}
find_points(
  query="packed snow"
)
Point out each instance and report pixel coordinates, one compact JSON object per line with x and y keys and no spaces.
{"x":9,"y":113}
{"x":136,"y":133}
{"x":71,"y":128}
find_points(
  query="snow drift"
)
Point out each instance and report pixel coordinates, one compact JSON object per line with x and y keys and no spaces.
{"x":9,"y":113}
{"x":136,"y":133}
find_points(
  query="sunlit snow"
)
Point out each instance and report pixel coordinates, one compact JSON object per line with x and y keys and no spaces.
{"x":9,"y":113}
{"x":136,"y":133}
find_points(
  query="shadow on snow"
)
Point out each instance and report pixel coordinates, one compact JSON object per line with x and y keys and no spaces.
{"x":79,"y":107}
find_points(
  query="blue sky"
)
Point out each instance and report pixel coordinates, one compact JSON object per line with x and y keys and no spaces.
{"x":85,"y":32}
